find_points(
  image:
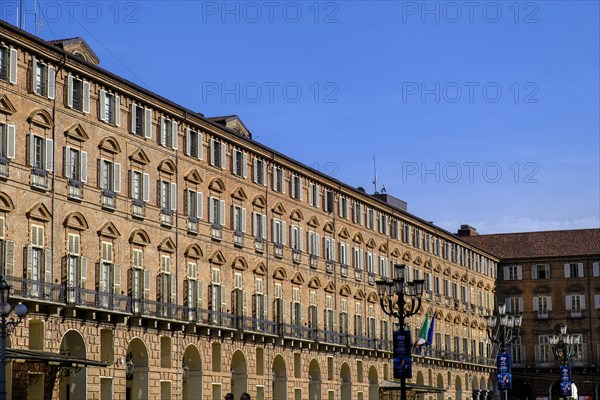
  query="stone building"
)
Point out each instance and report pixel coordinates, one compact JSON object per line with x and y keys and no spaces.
{"x":553,"y":279}
{"x":182,"y":259}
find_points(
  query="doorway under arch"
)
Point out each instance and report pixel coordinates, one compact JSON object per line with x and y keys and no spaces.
{"x":137,"y":380}
{"x":373,"y":383}
{"x":279,"y":378}
{"x":74,"y":384}
{"x":345,"y":382}
{"x":440,"y":385}
{"x":192,"y":386}
{"x":458,"y":388}
{"x":314,"y":380}
{"x":239,"y":374}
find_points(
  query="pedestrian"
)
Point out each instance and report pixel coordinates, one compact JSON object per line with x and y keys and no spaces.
{"x":245,"y":396}
{"x":229,"y":396}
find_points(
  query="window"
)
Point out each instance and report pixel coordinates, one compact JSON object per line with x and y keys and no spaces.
{"x":358,"y":320}
{"x":139,"y":189}
{"x":217,"y":153}
{"x":357,"y":213}
{"x":371,"y":270}
{"x":168,"y":196}
{"x":296,"y":238}
{"x":437,"y":287}
{"x":395,"y":230}
{"x":279,"y":232}
{"x":383,"y":224}
{"x":75,"y":164}
{"x":384,"y":267}
{"x":370,"y":218}
{"x":39,"y":261}
{"x":540,"y":271}
{"x":110,"y":108}
{"x":541,"y":305}
{"x":543,"y":351}
{"x":141,"y":121}
{"x":344,"y":323}
{"x":575,"y":303}
{"x":193,"y":143}
{"x":278,"y":179}
{"x":313,"y":310}
{"x":297,"y":308}
{"x":513,"y":272}
{"x":216,"y":212}
{"x":217,"y":302}
{"x":314,"y":244}
{"x":259,"y":304}
{"x":7,"y":251}
{"x":514,"y":304}
{"x":40,"y":153}
{"x":406,"y":233}
{"x":239,"y":164}
{"x":343,"y":207}
{"x":597,"y":301}
{"x":43,"y":79}
{"x":314,"y":195}
{"x":296,"y":187}
{"x":78,"y":94}
{"x":330,"y":317}
{"x":344,"y":259}
{"x":139,"y":277}
{"x":328,"y":201}
{"x":238,"y":219}
{"x":259,"y":226}
{"x":110,"y":176}
{"x":259,"y":171}
{"x":193,"y":204}
{"x":358,"y":258}
{"x":8,"y":64}
{"x":329,"y":245}
{"x":7,"y":142}
{"x":167,"y":285}
{"x":168,"y":133}
{"x":417,"y":238}
{"x":596,"y":268}
{"x":194,"y":291}
{"x":573,"y":270}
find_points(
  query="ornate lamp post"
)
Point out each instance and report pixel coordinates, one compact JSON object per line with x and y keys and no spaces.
{"x":564,"y":346}
{"x":503,"y":329}
{"x":407,"y":303}
{"x":7,"y":326}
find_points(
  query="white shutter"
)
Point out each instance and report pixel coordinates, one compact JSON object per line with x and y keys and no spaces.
{"x":568,"y":302}
{"x":519,"y":272}
{"x":211,"y":210}
{"x":70,"y":91}
{"x":549,"y":303}
{"x":506,"y":273}
{"x":133,"y":117}
{"x":301,"y":239}
{"x":146,"y":284}
{"x":173,"y":289}
{"x":47,"y":266}
{"x":212,"y":152}
{"x":117,"y":177}
{"x":244,"y":220}
{"x":188,"y":142}
{"x":10,"y":142}
{"x":536,"y":303}
{"x":51,"y":83}
{"x":83,"y":166}
{"x":13,"y":64}
{"x":264,"y":174}
{"x":10,"y":258}
{"x":318,"y":245}
{"x":199,"y":204}
{"x":520,"y":304}
{"x":596,"y":268}
{"x":49,"y":160}
{"x":254,"y":170}
{"x":254,"y":224}
{"x":33,"y":75}
{"x":173,"y":196}
{"x":162,"y":131}
{"x":567,"y":271}
{"x":264,"y":226}
{"x":117,"y":279}
{"x":174,"y":135}
{"x":223,"y":155}
{"x":597,"y":300}
{"x":1,"y":228}
{"x":145,"y":187}
{"x":147,"y":123}
{"x":68,"y":171}
{"x":534,"y":272}
{"x":580,"y":269}
{"x":245,"y":165}
{"x":283,"y":232}
{"x":103,"y":105}
{"x":222,"y":212}
{"x":582,"y":299}
{"x":117,"y":110}
{"x":274,"y":172}
{"x":86,"y":97}
{"x":200,"y":155}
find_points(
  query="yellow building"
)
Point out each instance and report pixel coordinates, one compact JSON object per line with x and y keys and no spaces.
{"x":186,"y":260}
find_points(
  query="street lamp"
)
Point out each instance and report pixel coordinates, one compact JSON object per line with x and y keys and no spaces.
{"x":564,"y":346}
{"x":401,"y":308}
{"x":503,"y":329}
{"x":6,"y":328}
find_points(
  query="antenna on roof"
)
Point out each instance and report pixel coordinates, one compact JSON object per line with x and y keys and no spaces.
{"x":21,"y":14}
{"x":374,"y":174}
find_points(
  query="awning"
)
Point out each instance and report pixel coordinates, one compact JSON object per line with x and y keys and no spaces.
{"x":26,"y":355}
{"x":415,"y":387}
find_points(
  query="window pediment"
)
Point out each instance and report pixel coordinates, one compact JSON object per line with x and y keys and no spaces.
{"x":139,"y":156}
{"x":193,"y":176}
{"x":239,"y":263}
{"x":260,"y":269}
{"x":109,"y":230}
{"x":330,"y":287}
{"x":357,"y":238}
{"x":372,"y":297}
{"x":576,"y":288}
{"x":75,"y":220}
{"x":313,"y":222}
{"x":193,"y":251}
{"x":296,"y":215}
{"x":39,"y":212}
{"x":345,"y":291}
{"x":6,"y":107}
{"x":418,"y":261}
{"x":109,"y":145}
{"x":280,"y":274}
{"x":343,"y":233}
{"x":217,"y":258}
{"x":259,"y":201}
{"x":371,"y":243}
{"x":447,"y":271}
{"x":76,"y":132}
{"x":217,"y":185}
{"x":360,"y":294}
{"x":298,"y":279}
{"x":427,"y":264}
{"x":513,"y":290}
{"x":167,"y":245}
{"x":6,"y":203}
{"x":167,"y":166}
{"x":328,"y":227}
{"x":406,"y":256}
{"x":40,"y":118}
{"x":314,"y":283}
{"x":278,"y":209}
{"x":139,"y":237}
{"x":437,"y":268}
{"x":239,"y":194}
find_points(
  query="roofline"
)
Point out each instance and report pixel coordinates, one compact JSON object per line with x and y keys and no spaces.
{"x":356,"y":192}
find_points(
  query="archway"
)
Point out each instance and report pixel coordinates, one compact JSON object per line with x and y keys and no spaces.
{"x":137,"y":371}
{"x":374,"y":383}
{"x":73,"y":385}
{"x":314,"y":380}
{"x":279,"y":378}
{"x":192,"y":385}
{"x":239,"y":374}
{"x":440,"y":385}
{"x":345,"y":382}
{"x":457,"y":388}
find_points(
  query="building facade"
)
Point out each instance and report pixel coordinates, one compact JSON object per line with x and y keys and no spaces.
{"x":553,"y":279}
{"x":191,"y":261}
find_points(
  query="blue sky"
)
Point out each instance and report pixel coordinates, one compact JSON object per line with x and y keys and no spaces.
{"x":484,"y":113}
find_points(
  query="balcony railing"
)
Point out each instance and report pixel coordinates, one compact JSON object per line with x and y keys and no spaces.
{"x":344,"y":270}
{"x":258,"y":325}
{"x":100,"y":300}
{"x":109,"y":199}
{"x":259,"y":245}
{"x":313,"y":261}
{"x":138,"y":208}
{"x":4,"y":167}
{"x":297,"y":256}
{"x":193,"y":225}
{"x":238,"y":238}
{"x":157,"y":309}
{"x":329,"y":266}
{"x":166,"y":217}
{"x":39,"y":178}
{"x":278,"y":249}
{"x":363,"y":342}
{"x":216,"y":232}
{"x":38,"y":290}
{"x":75,"y":189}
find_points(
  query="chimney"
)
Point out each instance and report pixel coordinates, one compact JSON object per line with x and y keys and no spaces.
{"x":467,"y":230}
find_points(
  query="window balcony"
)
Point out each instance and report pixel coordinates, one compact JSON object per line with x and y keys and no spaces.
{"x":4,"y":167}
{"x":166,"y":217}
{"x":542,"y":314}
{"x":438,"y":298}
{"x":75,"y":189}
{"x":371,"y":278}
{"x":329,"y":266}
{"x":39,"y":179}
{"x":259,"y":245}
{"x":216,"y":232}
{"x":576,"y":313}
{"x":109,"y":200}
{"x":296,"y":256}
{"x":313,"y":261}
{"x":238,"y":239}
{"x":344,"y":270}
{"x":358,"y":274}
{"x":428,"y":295}
{"x":36,"y":289}
{"x":138,"y":209}
{"x":278,"y":249}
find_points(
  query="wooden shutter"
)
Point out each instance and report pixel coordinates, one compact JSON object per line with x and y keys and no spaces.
{"x":83,"y":166}
{"x":86,"y":97}
{"x":83,"y":273}
{"x":133,"y":118}
{"x":147,"y":123}
{"x":223,"y":155}
{"x":117,"y":177}
{"x":222,"y":212}
{"x":173,"y":196}
{"x":117,"y":110}
{"x":103,"y":105}
{"x":13,"y":63}
{"x":567,"y":271}
{"x":70,"y":91}
{"x":49,"y":156}
{"x":10,"y":142}
{"x":51,"y":83}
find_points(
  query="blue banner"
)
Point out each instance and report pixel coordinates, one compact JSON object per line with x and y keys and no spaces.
{"x":504,"y":381}
{"x":402,"y":343}
{"x":402,"y":367}
{"x":565,"y":389}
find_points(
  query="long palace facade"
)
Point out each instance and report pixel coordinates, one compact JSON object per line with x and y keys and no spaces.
{"x":166,"y":255}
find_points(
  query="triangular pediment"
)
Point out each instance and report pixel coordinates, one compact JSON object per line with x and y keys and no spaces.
{"x":75,"y":220}
{"x":217,"y":185}
{"x":455,"y":275}
{"x":360,"y":294}
{"x":328,"y":227}
{"x":278,"y":209}
{"x":488,"y":286}
{"x":481,"y":326}
{"x":437,"y":268}
{"x":139,"y":156}
{"x":78,"y":48}
{"x":372,"y":297}
{"x":314,"y":283}
{"x":466,"y":321}
{"x":239,"y":194}
{"x":357,"y":238}
{"x":298,"y":279}
{"x":6,"y":203}
{"x":457,"y":319}
{"x":463,"y":278}
{"x":260,"y":269}
{"x":193,"y":176}
{"x":193,"y":251}
{"x":343,"y":233}
{"x":474,"y":324}
{"x":109,"y":230}
{"x":427,"y":264}
{"x":447,"y":271}
{"x":109,"y":145}
{"x":217,"y":258}
{"x":259,"y":201}
{"x":6,"y":107}
{"x":418,"y":261}
{"x":239,"y":263}
{"x":371,"y":243}
{"x":280,"y":274}
{"x":480,"y":284}
{"x":345,"y":291}
{"x":76,"y":132}
{"x":40,"y":118}
{"x":383,"y":247}
{"x":448,"y":317}
{"x":329,"y":287}
{"x":515,"y":290}
{"x":473,"y":282}
{"x":167,"y":166}
{"x":296,"y":215}
{"x":313,"y":222}
{"x":139,"y":237}
{"x":439,"y":314}
{"x":406,"y":256}
{"x":167,"y":245}
{"x":39,"y":212}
